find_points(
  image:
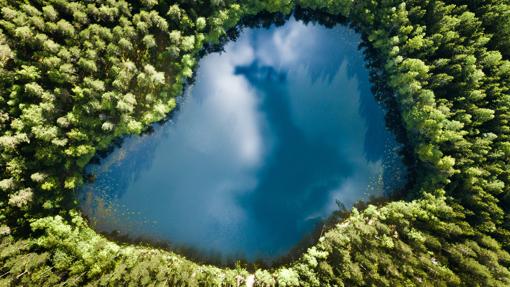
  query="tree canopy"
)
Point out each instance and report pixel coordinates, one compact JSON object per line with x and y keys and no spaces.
{"x":76,"y":75}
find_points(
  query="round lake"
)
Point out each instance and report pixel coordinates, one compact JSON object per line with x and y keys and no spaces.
{"x":275,"y":131}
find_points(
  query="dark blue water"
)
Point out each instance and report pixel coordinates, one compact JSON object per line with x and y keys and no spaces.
{"x":275,"y":130}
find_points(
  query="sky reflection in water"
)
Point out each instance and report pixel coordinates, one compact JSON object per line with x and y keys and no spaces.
{"x":273,"y":132}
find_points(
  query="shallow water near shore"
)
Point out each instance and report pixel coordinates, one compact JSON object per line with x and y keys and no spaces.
{"x":275,"y":132}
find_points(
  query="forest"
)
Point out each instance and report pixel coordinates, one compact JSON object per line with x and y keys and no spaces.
{"x":77,"y":75}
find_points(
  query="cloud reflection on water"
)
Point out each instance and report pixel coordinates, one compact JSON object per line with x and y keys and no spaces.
{"x":274,"y":130}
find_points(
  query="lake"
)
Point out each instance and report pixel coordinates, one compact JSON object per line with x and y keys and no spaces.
{"x":274,"y":132}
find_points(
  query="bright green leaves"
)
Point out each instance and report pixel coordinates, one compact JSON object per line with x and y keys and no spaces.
{"x":83,"y":153}
{"x":74,"y":76}
{"x":126,"y":103}
{"x":21,"y":198}
{"x":31,"y":73}
{"x":24,"y":34}
{"x":201,"y":23}
{"x":175,"y":13}
{"x":287,"y":278}
{"x":50,"y":13}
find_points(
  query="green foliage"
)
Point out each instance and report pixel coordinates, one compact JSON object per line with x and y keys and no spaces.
{"x":76,"y":75}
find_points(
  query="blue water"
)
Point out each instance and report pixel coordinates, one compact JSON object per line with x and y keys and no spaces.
{"x":275,"y":130}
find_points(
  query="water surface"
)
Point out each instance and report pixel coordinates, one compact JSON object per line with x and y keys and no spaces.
{"x":276,"y":129}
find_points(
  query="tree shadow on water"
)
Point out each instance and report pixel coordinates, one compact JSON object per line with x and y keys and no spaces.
{"x":296,"y":180}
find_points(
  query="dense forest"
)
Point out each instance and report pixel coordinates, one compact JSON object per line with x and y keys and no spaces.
{"x":76,"y":75}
